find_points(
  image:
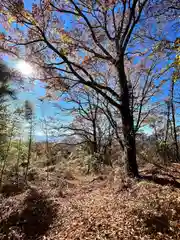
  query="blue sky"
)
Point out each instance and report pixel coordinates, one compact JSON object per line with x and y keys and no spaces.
{"x":42,"y":109}
{"x":48,"y":107}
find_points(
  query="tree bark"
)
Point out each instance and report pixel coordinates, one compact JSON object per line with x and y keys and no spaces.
{"x":127,"y":123}
{"x":95,"y":146}
{"x":29,"y":148}
{"x":174,"y":122}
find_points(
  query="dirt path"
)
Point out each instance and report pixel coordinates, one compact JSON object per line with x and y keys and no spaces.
{"x":91,"y":207}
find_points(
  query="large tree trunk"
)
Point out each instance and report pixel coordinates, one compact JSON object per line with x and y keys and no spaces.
{"x":129,"y":146}
{"x":127,"y":124}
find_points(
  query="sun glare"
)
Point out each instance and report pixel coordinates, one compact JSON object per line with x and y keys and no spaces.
{"x":24,"y":68}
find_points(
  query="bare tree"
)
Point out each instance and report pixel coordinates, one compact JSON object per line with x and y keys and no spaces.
{"x":29,"y":118}
{"x":107,"y":47}
{"x":90,"y":123}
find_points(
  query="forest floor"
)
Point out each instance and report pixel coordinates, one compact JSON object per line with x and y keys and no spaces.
{"x":98,"y":207}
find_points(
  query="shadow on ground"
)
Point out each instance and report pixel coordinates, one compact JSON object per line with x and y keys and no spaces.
{"x":32,"y":222}
{"x":158,"y":224}
{"x":161,"y":180}
{"x":12,"y":188}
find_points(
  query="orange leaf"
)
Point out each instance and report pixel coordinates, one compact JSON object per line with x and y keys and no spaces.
{"x":86,"y":58}
{"x":2,"y":36}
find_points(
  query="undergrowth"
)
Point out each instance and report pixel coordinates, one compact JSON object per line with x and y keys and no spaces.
{"x":63,"y":202}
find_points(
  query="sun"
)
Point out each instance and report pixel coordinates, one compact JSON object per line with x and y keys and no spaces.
{"x":24,"y":67}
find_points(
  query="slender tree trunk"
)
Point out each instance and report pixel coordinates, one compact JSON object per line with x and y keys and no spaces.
{"x":175,"y":134}
{"x":127,"y":123}
{"x":48,"y":154}
{"x":18,"y":160}
{"x":174,"y":122}
{"x":168,"y":121}
{"x":6,"y":155}
{"x":95,"y":147}
{"x":48,"y":150}
{"x":167,"y":157}
{"x":29,"y":148}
